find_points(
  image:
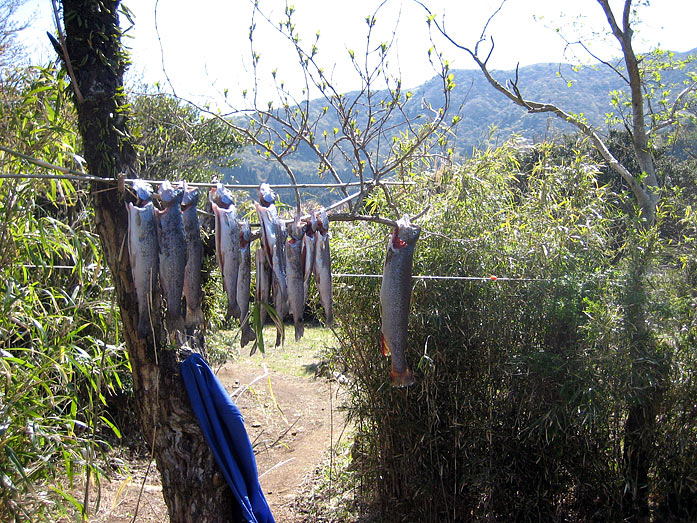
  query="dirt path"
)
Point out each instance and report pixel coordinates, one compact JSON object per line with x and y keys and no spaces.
{"x":290,"y":417}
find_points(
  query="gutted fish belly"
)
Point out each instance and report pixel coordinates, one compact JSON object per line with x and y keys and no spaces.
{"x":172,"y":244}
{"x":244,"y":276}
{"x":395,"y":297}
{"x":227,"y":246}
{"x":143,"y":254}
{"x":295,"y":277}
{"x":194,"y":254}
{"x":323,"y":267}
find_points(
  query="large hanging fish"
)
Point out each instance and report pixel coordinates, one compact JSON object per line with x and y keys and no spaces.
{"x":194,"y":254}
{"x":244,"y":276}
{"x":143,"y":254}
{"x":308,"y":253}
{"x":172,"y":246}
{"x":395,"y":297}
{"x":323,"y":266}
{"x":227,"y":244}
{"x":273,"y":242}
{"x":295,"y":275}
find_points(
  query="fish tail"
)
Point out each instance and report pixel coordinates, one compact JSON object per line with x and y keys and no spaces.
{"x":385,"y":347}
{"x":194,"y":317}
{"x":299,"y":330}
{"x":233,"y":310}
{"x":401,"y":379}
{"x":247,"y":335}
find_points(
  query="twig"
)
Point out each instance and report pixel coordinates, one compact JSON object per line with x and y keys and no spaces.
{"x":276,"y":466}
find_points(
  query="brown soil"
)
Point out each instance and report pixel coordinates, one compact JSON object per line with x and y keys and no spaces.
{"x":290,"y":417}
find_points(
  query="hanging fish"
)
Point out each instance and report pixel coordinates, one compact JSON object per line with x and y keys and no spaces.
{"x":227,"y":244}
{"x":273,"y":242}
{"x":194,"y":253}
{"x":143,"y":254}
{"x":172,"y":247}
{"x":263,"y":288}
{"x":244,"y":276}
{"x":395,"y":297}
{"x":323,"y":266}
{"x":308,"y":253}
{"x":295,"y":275}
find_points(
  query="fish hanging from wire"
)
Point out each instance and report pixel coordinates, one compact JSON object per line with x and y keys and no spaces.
{"x":295,"y":275}
{"x":308,"y":253}
{"x":244,"y":276}
{"x":395,"y":299}
{"x":143,"y":254}
{"x":171,"y":241}
{"x":273,"y":244}
{"x":323,"y":265}
{"x":227,"y":244}
{"x":194,"y":253}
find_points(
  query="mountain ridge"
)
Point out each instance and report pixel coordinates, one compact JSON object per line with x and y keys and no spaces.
{"x":486,"y":116}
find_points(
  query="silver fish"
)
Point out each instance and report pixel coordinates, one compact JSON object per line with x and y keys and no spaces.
{"x":143,"y":254}
{"x":227,"y":248}
{"x":308,"y":253}
{"x":244,"y":276}
{"x":172,"y":245}
{"x":395,"y":297}
{"x":295,"y":276}
{"x":194,"y":253}
{"x":323,"y":266}
{"x":273,"y":241}
{"x":263,"y":287}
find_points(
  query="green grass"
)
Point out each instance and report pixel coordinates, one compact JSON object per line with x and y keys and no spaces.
{"x":301,"y":358}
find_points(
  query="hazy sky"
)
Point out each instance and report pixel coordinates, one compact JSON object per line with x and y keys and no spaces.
{"x":206,"y":43}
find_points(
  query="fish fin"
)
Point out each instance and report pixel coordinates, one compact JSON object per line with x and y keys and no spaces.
{"x":385,"y":347}
{"x":247,"y":335}
{"x":401,"y":379}
{"x":194,"y":317}
{"x":299,"y":331}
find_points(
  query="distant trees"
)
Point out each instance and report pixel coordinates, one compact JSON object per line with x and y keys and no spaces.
{"x":175,"y":141}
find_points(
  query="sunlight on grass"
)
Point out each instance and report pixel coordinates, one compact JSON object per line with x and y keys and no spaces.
{"x":301,"y":358}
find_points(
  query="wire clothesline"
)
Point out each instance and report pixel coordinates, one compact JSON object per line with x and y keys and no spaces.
{"x":432,"y":277}
{"x":491,"y":278}
{"x":88,"y":178}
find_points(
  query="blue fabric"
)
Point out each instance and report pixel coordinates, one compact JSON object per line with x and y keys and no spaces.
{"x":223,"y":427}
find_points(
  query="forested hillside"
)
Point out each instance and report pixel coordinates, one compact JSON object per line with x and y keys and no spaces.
{"x":486,"y":116}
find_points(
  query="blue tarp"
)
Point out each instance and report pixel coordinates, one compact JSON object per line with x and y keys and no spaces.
{"x":223,"y":427}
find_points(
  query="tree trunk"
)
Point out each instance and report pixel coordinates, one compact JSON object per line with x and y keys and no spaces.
{"x":193,"y":486}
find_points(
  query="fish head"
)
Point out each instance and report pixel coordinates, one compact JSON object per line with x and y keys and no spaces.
{"x":320,"y":221}
{"x":190,"y":198}
{"x":143,"y":189}
{"x":296,"y":230}
{"x":266,"y":195}
{"x":170,"y":196}
{"x":404,"y":234}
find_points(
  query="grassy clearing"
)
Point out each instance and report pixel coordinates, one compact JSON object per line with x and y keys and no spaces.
{"x":302,"y":358}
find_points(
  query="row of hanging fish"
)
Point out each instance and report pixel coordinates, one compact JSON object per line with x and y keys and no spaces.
{"x":166,"y":244}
